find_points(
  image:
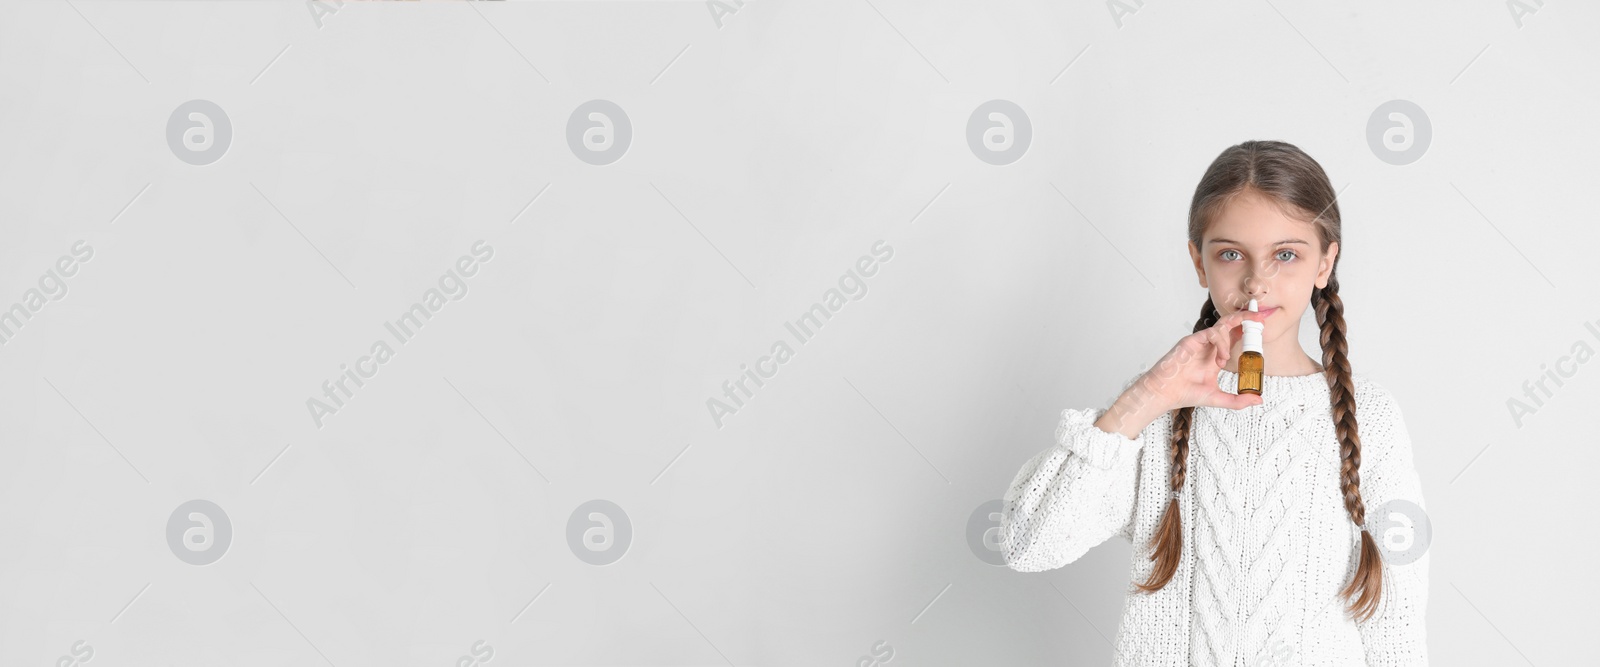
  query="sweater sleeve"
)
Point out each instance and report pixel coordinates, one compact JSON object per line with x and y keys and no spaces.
{"x":1070,"y":497}
{"x":1397,"y":634}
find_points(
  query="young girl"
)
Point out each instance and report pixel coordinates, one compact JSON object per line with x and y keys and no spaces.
{"x":1249,"y":514}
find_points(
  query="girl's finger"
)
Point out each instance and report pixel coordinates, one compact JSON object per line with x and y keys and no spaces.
{"x":1235,"y":401}
{"x":1231,"y":320}
{"x":1224,"y":342}
{"x":1236,"y":318}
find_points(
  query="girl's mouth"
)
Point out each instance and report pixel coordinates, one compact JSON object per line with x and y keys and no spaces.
{"x":1268,"y":311}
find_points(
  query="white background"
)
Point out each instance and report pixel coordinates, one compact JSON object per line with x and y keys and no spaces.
{"x":768,"y":154}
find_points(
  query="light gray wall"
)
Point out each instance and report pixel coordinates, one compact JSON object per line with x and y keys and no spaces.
{"x":444,"y":506}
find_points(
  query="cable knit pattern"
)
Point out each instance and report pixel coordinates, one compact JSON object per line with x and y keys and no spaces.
{"x":1267,"y":542}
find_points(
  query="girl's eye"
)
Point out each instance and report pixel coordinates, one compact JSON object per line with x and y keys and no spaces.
{"x":1225,"y":255}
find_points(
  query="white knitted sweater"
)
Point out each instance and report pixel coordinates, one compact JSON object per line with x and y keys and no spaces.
{"x":1267,"y":543}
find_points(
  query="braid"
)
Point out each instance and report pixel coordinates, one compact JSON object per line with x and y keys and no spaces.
{"x":1167,"y":543}
{"x":1368,"y":579}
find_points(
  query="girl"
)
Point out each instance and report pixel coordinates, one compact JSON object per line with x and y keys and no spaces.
{"x":1249,"y":514}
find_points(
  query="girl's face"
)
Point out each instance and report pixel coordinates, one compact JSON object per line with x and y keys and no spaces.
{"x":1251,"y":250}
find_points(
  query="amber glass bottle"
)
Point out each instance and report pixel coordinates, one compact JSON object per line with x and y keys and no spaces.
{"x":1250,"y":359}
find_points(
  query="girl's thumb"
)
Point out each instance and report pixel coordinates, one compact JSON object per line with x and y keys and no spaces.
{"x":1239,"y":401}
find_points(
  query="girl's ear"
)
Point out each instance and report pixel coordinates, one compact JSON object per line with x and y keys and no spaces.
{"x":1199,"y":266}
{"x":1325,"y":268}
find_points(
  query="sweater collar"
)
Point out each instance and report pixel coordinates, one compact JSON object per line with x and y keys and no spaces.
{"x":1283,"y":389}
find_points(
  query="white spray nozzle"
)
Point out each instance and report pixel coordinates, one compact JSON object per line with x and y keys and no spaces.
{"x":1252,"y":332}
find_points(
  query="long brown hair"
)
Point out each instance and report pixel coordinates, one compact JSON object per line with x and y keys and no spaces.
{"x":1289,"y":177}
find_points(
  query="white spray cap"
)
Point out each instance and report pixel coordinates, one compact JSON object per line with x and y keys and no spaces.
{"x":1252,"y":332}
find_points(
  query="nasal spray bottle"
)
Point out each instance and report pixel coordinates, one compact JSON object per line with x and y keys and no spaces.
{"x":1250,"y":359}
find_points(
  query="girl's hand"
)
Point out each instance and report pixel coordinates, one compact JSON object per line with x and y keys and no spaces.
{"x":1187,"y":374}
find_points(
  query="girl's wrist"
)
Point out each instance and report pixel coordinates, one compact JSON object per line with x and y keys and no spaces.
{"x":1131,"y":412}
